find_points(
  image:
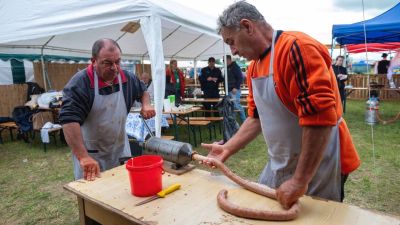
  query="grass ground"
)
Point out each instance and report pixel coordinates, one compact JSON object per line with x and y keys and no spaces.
{"x":31,"y":181}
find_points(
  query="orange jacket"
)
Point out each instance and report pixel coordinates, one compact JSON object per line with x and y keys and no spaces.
{"x":307,"y":86}
{"x":170,"y":73}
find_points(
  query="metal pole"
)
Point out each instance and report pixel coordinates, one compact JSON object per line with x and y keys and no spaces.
{"x":225,"y":69}
{"x":142,"y":61}
{"x":45,"y":78}
{"x":43,"y":72}
{"x":195,"y":71}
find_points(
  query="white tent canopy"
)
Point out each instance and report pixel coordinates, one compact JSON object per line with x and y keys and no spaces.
{"x":69,"y":28}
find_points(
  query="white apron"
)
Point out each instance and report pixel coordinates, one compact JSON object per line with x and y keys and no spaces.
{"x":103,"y":131}
{"x":283,"y":134}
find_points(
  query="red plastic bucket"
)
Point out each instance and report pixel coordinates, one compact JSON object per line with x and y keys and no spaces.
{"x":145,"y":175}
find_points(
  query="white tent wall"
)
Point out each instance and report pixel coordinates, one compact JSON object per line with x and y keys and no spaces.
{"x":151,"y":27}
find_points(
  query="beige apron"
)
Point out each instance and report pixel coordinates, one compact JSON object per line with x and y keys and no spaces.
{"x":103,"y":131}
{"x":283,"y":134}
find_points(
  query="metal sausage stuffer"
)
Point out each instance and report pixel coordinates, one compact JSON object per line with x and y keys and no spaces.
{"x":177,"y":152}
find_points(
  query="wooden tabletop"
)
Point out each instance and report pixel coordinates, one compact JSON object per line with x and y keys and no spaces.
{"x":193,"y":109}
{"x":195,"y":202}
{"x":210,"y":100}
{"x":201,"y":100}
{"x":183,"y":112}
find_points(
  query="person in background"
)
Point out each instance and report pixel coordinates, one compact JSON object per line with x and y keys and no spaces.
{"x":394,"y":63}
{"x":383,"y":65}
{"x":235,"y":80}
{"x":341,"y":76}
{"x":94,"y":109}
{"x":294,"y":102}
{"x":175,"y":81}
{"x":210,"y":79}
{"x":146,"y":78}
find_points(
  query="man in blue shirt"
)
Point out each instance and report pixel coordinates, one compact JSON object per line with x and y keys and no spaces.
{"x":235,"y":79}
{"x":210,"y":79}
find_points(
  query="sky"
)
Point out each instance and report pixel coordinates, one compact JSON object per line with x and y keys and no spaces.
{"x":314,"y":17}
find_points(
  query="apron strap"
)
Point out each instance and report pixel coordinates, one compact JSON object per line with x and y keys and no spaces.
{"x":96,"y":84}
{"x":271,"y":60}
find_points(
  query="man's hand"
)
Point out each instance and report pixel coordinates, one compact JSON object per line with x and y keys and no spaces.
{"x":210,"y":78}
{"x":290,"y":191}
{"x":147,"y":111}
{"x":234,"y":91}
{"x":217,"y":152}
{"x":90,"y":168}
{"x":215,"y":79}
{"x":342,"y":76}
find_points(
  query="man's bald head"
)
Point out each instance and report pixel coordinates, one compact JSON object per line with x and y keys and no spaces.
{"x":104,"y":43}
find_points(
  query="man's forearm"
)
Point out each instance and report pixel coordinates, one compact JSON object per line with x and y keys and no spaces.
{"x":249,"y":130}
{"x":73,"y":136}
{"x":145,"y":99}
{"x":314,"y":142}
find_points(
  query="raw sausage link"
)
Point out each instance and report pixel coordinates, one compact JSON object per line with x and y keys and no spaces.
{"x":251,"y":186}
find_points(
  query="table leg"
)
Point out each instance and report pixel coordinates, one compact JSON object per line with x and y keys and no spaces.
{"x":188,"y":126}
{"x":175,"y":126}
{"x":83,"y":219}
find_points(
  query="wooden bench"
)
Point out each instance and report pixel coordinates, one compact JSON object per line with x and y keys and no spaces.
{"x":193,"y":124}
{"x":167,"y":137}
{"x":213,"y":120}
{"x":7,"y":126}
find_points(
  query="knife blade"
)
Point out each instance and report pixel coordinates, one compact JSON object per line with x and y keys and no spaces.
{"x":161,"y":194}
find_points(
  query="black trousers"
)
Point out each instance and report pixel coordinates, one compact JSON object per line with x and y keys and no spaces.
{"x":343,"y":181}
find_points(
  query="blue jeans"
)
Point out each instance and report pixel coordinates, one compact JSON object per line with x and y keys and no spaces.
{"x":238,"y":106}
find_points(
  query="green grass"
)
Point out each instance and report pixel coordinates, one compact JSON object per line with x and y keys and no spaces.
{"x":31,"y":181}
{"x":31,"y":185}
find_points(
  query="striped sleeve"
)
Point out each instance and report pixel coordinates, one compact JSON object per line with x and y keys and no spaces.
{"x":251,"y":105}
{"x":312,"y":85}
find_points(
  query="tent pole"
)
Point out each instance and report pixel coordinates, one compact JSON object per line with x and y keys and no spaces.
{"x":225,"y":69}
{"x":195,"y":71}
{"x":142,"y":62}
{"x":44,"y":74}
{"x":332,"y":48}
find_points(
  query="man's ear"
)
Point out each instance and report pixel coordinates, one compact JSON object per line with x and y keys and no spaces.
{"x":247,"y":25}
{"x":93,"y":60}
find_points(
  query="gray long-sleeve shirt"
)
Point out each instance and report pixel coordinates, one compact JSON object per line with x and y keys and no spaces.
{"x":78,"y":95}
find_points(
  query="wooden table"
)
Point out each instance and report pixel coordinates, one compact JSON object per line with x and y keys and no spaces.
{"x":108,"y":200}
{"x":185,"y":115}
{"x":209,"y":100}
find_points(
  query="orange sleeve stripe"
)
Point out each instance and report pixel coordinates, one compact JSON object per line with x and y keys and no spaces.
{"x":301,"y":80}
{"x":252,"y":109}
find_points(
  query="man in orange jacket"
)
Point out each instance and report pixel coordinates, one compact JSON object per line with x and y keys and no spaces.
{"x":294,"y":101}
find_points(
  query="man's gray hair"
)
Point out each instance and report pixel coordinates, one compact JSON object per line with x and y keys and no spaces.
{"x":232,"y":16}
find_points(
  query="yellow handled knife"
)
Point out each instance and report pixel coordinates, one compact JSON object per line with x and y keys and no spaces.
{"x":161,"y":194}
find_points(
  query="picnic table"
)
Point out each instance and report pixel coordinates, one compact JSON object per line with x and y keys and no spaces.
{"x":108,"y":200}
{"x":209,"y":100}
{"x":185,"y":116}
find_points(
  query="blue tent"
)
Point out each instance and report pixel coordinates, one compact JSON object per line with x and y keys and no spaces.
{"x":381,"y":29}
